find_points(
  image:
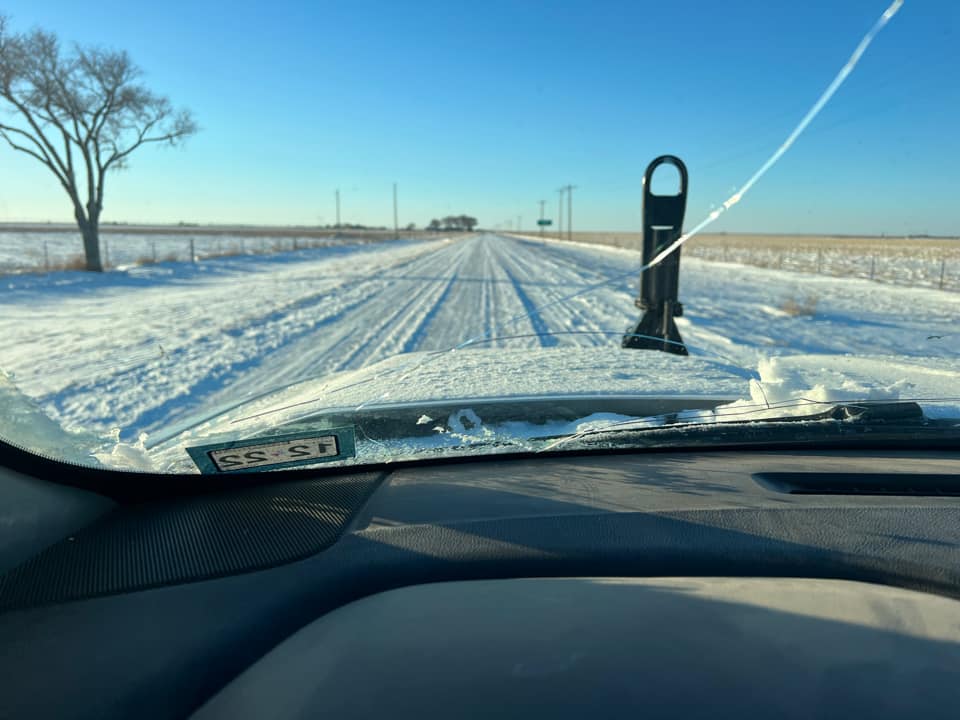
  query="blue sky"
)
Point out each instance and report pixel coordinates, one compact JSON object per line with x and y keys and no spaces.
{"x":486,"y":108}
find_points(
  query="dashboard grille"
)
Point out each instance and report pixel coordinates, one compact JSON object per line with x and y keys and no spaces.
{"x":142,"y":546}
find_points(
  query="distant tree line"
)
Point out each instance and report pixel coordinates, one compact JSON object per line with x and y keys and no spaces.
{"x":355,"y":226}
{"x":453,"y":223}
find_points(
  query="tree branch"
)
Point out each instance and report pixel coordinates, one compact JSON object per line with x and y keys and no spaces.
{"x":42,"y":156}
{"x":24,"y":133}
{"x":142,"y":138}
{"x":23,"y":149}
{"x":28,"y":116}
{"x":99,"y":118}
{"x":68,"y":153}
{"x":4,"y":130}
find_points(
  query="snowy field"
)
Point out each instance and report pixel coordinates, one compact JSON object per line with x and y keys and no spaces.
{"x":908,"y":261}
{"x":914,"y":263}
{"x":44,"y":251}
{"x":144,"y":347}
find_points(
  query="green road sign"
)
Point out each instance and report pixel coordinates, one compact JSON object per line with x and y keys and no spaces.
{"x":544,"y":222}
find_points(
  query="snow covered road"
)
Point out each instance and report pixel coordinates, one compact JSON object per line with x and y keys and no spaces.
{"x":144,"y":347}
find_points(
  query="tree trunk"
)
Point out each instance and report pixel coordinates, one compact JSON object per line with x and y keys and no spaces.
{"x":91,"y":246}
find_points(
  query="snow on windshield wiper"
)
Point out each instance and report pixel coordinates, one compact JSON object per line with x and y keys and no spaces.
{"x":900,"y":413}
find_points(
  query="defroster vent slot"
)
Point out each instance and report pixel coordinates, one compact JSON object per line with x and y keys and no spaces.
{"x":860,"y":483}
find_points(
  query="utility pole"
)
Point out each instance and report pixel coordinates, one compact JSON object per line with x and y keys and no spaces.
{"x":569,"y":189}
{"x":560,"y":215}
{"x":337,"y":195}
{"x":542,"y":203}
{"x":396,"y":226}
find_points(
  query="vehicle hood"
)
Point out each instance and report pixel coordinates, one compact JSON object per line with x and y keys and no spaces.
{"x":515,"y":394}
{"x":416,"y":403}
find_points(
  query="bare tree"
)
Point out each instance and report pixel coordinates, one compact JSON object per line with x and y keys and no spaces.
{"x":81,"y":113}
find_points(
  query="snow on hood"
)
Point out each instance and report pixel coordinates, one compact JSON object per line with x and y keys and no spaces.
{"x":784,"y":385}
{"x":480,"y":374}
{"x":29,"y":427}
{"x":802,"y":384}
{"x":779,"y":386}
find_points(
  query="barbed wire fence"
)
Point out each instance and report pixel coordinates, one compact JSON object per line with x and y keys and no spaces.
{"x":26,"y":252}
{"x":913,"y":263}
{"x":907,"y":262}
{"x":911,"y":266}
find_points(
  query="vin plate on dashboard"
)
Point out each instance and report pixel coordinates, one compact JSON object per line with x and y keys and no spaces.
{"x":274,"y":452}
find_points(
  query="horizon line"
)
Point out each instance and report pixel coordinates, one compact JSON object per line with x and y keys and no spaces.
{"x":185,"y":227}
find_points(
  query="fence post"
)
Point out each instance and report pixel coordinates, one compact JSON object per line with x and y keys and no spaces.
{"x":46,"y":261}
{"x":780,"y":261}
{"x":873,"y":265}
{"x":819,"y":261}
{"x":193,"y":252}
{"x":243,"y":246}
{"x":153,"y":250}
{"x":106,"y":253}
{"x":943,"y":266}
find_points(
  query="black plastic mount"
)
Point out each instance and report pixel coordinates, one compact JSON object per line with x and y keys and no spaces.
{"x":662,"y":225}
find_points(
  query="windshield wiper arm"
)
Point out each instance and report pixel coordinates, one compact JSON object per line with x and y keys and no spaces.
{"x":868,"y":422}
{"x":867,"y":412}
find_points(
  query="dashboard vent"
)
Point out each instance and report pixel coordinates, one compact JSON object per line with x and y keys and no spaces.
{"x":906,"y":484}
{"x":142,"y":546}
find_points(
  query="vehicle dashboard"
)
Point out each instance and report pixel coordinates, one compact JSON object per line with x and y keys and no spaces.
{"x":153,"y":608}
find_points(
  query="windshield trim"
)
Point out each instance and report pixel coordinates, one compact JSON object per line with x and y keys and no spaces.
{"x":128,"y":486}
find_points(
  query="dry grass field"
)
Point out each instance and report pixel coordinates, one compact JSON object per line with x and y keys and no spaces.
{"x":916,"y":261}
{"x":913,"y":261}
{"x":42,"y":247}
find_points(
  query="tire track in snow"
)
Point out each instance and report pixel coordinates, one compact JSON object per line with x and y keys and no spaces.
{"x":388,"y":336}
{"x":312,"y":300}
{"x":361,"y":335}
{"x":199,"y":353}
{"x":534,"y":263}
{"x":530,"y":308}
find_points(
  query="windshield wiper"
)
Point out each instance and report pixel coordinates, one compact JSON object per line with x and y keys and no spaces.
{"x":868,"y":423}
{"x":871,"y":412}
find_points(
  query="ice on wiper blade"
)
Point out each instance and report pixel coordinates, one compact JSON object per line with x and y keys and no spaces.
{"x":904,"y":415}
{"x":861,"y":412}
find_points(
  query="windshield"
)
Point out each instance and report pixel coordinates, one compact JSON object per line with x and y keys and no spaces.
{"x":368,"y":232}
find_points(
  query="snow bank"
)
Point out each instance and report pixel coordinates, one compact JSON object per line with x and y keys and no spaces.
{"x":27,"y":426}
